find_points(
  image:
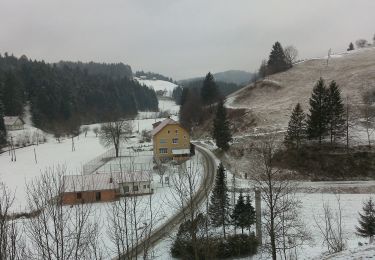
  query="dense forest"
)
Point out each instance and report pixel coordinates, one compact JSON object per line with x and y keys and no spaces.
{"x":64,"y":95}
{"x":113,"y":70}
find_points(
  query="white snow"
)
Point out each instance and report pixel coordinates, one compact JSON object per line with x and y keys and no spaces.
{"x":158,"y":85}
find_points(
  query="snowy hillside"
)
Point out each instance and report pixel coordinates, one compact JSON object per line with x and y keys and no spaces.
{"x":272,"y":99}
{"x":158,"y":85}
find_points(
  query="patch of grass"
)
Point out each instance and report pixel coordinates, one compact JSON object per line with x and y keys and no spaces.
{"x":322,"y":163}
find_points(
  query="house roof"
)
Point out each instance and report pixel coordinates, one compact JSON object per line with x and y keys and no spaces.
{"x":102,"y":181}
{"x":164,"y":123}
{"x":10,"y":120}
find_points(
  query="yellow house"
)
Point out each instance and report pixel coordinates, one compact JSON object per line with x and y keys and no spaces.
{"x":171,"y":140}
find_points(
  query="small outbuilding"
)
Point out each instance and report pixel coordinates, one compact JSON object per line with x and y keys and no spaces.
{"x":13,"y":123}
{"x":104,"y":187}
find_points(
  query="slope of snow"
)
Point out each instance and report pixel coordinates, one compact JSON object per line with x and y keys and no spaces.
{"x":158,"y":85}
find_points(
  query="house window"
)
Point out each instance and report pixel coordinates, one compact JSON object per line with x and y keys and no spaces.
{"x":169,"y":131}
{"x":126,"y":189}
{"x":176,"y":131}
{"x":79,"y":195}
{"x":148,"y":186}
{"x":175,"y":140}
{"x":163,"y":141}
{"x":184,"y":136}
{"x":144,"y":187}
{"x":135,"y":188}
{"x":163,"y":150}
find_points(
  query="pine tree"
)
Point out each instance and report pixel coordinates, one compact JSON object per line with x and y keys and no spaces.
{"x":221,"y":132}
{"x":250,"y":213}
{"x":317,"y":119}
{"x":209,"y":91}
{"x":366,"y":220}
{"x":351,"y":47}
{"x":219,"y":201}
{"x":277,"y":61}
{"x":296,"y":127}
{"x":240,"y":213}
{"x":336,"y":112}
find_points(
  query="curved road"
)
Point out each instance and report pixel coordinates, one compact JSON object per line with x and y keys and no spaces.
{"x":199,"y":198}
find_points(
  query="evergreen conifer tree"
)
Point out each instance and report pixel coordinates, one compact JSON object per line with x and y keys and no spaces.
{"x":240,"y":213}
{"x":336,"y":112}
{"x":219,"y":201}
{"x":317,"y":119}
{"x":221,"y":132}
{"x":209,"y":91}
{"x":351,"y":47}
{"x":366,"y":220}
{"x":250,"y":213}
{"x":296,"y":127}
{"x":277,"y":61}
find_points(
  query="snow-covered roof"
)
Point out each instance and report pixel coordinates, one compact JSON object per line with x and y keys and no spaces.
{"x":11,"y":120}
{"x":164,"y":123}
{"x":180,"y":151}
{"x":102,"y":181}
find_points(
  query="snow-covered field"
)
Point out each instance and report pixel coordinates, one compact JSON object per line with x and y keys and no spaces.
{"x":158,"y":85}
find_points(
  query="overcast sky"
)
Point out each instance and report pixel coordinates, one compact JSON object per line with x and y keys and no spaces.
{"x":180,"y":38}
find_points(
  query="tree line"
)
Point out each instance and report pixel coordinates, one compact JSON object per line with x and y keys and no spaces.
{"x":152,"y":75}
{"x":70,"y":93}
{"x":326,"y":117}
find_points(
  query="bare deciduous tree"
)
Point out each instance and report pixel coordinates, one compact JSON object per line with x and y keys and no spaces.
{"x":58,"y":232}
{"x":361,"y":43}
{"x":368,"y":114}
{"x":291,"y":54}
{"x":11,"y":240}
{"x":85,"y":129}
{"x":281,"y":217}
{"x":113,"y":133}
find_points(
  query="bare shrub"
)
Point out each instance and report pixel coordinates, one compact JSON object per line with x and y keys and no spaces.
{"x":331,"y":227}
{"x":361,"y":43}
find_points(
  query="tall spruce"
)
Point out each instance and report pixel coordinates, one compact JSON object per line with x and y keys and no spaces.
{"x":219,"y":201}
{"x":277,"y":61}
{"x":243,"y":213}
{"x":250,"y":213}
{"x":336,"y":112}
{"x":209,"y":92}
{"x":317,"y":119}
{"x":366,"y":220}
{"x":296,"y":128}
{"x":221,"y":132}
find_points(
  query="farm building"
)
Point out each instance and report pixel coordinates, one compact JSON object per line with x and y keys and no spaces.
{"x":170,"y":140}
{"x":105,"y":186}
{"x":13,"y":123}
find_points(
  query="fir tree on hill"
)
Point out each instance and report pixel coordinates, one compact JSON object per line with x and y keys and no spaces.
{"x":366,"y":220}
{"x":351,"y":47}
{"x":336,"y":111}
{"x":277,"y":61}
{"x":219,"y":201}
{"x":250,"y":213}
{"x":221,"y":132}
{"x":296,"y":127}
{"x":317,"y":119}
{"x":209,"y":92}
